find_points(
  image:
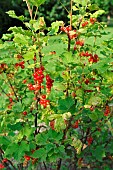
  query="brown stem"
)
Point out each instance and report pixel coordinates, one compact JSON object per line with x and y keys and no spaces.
{"x":35,"y":13}
{"x":29,"y":8}
{"x":12,"y":88}
{"x":4,"y":92}
{"x":69,"y":43}
{"x":45,"y":166}
{"x":36,"y":114}
{"x":59,"y":164}
{"x":71,"y":6}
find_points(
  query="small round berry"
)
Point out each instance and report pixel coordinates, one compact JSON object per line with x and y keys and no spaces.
{"x":27,"y":157}
{"x":43,"y":96}
{"x":2,"y":166}
{"x":24,"y":113}
{"x":5,"y":160}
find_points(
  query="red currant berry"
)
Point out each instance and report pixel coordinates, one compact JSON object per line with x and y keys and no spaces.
{"x":27,"y":157}
{"x":24,"y":113}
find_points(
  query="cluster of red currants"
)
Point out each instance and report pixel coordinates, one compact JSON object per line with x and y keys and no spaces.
{"x":70,"y":33}
{"x":80,"y":42}
{"x":43,"y":101}
{"x":107,"y":111}
{"x":93,"y":58}
{"x":2,"y":164}
{"x":3,"y":66}
{"x":76,"y":124}
{"x":49,"y":83}
{"x":20,"y":64}
{"x":85,"y":54}
{"x":39,"y":76}
{"x":52,"y":124}
{"x":92,"y":20}
{"x":84,"y":24}
{"x":89,"y":140}
{"x":38,"y":79}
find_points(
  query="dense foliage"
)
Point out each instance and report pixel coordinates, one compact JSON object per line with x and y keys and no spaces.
{"x":51,"y":11}
{"x":56,"y":98}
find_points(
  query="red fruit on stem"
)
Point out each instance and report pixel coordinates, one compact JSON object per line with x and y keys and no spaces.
{"x":75,"y":125}
{"x":11,"y":100}
{"x":5,"y":160}
{"x":91,"y":108}
{"x":92,"y":20}
{"x":73,"y":94}
{"x":39,"y":71}
{"x":22,"y":66}
{"x":107,"y":111}
{"x":24,"y":113}
{"x":52,"y":124}
{"x":2,"y":166}
{"x":43,"y":96}
{"x":87,"y":81}
{"x":89,"y":140}
{"x":27,"y":157}
{"x":24,"y":81}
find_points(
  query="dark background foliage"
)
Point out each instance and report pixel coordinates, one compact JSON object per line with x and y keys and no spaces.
{"x":50,"y":10}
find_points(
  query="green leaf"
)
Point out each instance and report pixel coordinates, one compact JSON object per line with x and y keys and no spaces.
{"x":93,"y":116}
{"x":29,"y":55}
{"x":4,"y":140}
{"x":17,"y":126}
{"x":57,"y":136}
{"x":36,"y":2}
{"x":68,"y":58}
{"x":41,"y":139}
{"x":21,"y":39}
{"x":65,"y":104}
{"x":40,"y":153}
{"x":99,"y":153}
{"x":49,"y":147}
{"x":59,"y":124}
{"x":17,"y":107}
{"x":11,"y":149}
{"x":12,"y":14}
{"x":93,"y":7}
{"x":98,"y":13}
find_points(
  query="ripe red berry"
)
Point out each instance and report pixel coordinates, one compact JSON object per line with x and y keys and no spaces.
{"x":91,"y":108}
{"x":2,"y":166}
{"x":85,"y":24}
{"x":43,"y":96}
{"x":73,"y":94}
{"x":24,"y":113}
{"x":107,"y":111}
{"x":75,"y":125}
{"x":22,"y":66}
{"x":5,"y":160}
{"x":24,"y":81}
{"x":87,"y":81}
{"x":92,"y":20}
{"x":31,"y":87}
{"x":39,"y":71}
{"x":27,"y":157}
{"x":89,"y":140}
{"x":52,"y":124}
{"x":11,"y":100}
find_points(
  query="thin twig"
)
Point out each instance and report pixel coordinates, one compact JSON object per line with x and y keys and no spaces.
{"x":35,"y":13}
{"x":29,"y":8}
{"x":64,"y":6}
{"x":12,"y":88}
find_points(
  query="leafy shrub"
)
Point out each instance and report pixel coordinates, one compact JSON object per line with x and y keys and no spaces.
{"x":56,"y":93}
